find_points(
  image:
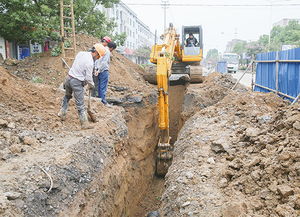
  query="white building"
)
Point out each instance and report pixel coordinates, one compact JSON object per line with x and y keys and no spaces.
{"x":138,"y":34}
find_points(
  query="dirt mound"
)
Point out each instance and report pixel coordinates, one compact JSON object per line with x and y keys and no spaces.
{"x":49,"y":70}
{"x":243,"y":155}
{"x":214,"y":88}
{"x":35,"y":143}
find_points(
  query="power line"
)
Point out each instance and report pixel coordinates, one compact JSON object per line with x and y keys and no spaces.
{"x":214,"y":5}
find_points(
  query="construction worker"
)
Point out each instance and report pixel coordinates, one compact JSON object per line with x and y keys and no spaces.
{"x":102,"y":71}
{"x":104,"y":41}
{"x":191,"y":41}
{"x":79,"y":75}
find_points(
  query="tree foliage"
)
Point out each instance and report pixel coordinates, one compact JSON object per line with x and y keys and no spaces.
{"x":280,"y":35}
{"x":240,"y":47}
{"x":143,"y":52}
{"x":213,"y":55}
{"x":36,"y":20}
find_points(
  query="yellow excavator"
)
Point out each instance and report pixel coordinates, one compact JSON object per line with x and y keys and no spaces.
{"x":175,"y":62}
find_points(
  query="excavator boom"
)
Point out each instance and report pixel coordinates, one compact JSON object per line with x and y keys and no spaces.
{"x":168,"y":57}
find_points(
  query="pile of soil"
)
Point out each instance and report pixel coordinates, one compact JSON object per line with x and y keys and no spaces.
{"x":239,"y":157}
{"x":89,"y":169}
{"x":125,"y":76}
{"x":213,"y":89}
{"x":33,"y":140}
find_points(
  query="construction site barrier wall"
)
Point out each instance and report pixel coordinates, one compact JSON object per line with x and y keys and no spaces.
{"x":279,"y":72}
{"x":222,"y":67}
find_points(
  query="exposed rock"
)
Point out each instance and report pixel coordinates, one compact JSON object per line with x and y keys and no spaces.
{"x":284,"y":210}
{"x":219,"y":146}
{"x":12,"y":195}
{"x":285,"y":190}
{"x":296,"y":125}
{"x":3,"y":123}
{"x":11,"y":125}
{"x":234,"y":210}
{"x":11,"y":62}
{"x":29,"y":141}
{"x":211,"y":160}
{"x":252,"y":132}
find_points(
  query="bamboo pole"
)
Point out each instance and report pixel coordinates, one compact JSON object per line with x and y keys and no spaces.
{"x":242,"y":76}
{"x":274,"y":91}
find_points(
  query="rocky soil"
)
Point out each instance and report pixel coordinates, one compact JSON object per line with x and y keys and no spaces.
{"x":52,"y":168}
{"x":239,"y":157}
{"x":237,"y":152}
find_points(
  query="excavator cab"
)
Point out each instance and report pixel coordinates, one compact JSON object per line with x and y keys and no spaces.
{"x":194,"y":53}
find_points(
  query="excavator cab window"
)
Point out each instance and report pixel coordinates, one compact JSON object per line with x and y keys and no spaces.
{"x":194,"y":48}
{"x":196,"y":31}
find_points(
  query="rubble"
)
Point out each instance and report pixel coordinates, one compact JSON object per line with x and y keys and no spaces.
{"x":255,"y":150}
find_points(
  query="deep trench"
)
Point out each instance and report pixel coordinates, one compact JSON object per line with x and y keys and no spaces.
{"x":149,"y":200}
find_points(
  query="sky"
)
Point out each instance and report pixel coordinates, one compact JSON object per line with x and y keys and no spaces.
{"x":220,"y":24}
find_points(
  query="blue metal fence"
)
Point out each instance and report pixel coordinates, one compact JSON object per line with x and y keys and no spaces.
{"x":222,"y":66}
{"x":279,"y":72}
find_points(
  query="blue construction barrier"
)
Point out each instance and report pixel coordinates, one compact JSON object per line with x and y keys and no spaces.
{"x":222,"y":67}
{"x":288,"y":73}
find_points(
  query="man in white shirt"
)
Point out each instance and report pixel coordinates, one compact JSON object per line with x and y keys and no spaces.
{"x":80,"y":74}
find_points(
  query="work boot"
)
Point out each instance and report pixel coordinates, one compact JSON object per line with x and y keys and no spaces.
{"x":62,"y":114}
{"x":84,"y":122}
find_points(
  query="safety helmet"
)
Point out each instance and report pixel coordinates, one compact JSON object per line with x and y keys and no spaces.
{"x":107,"y":39}
{"x":100,"y":49}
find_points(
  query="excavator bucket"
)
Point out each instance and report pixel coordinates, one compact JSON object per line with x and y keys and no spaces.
{"x":164,"y":158}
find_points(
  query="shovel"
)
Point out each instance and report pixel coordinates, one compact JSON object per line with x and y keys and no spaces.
{"x":89,"y":111}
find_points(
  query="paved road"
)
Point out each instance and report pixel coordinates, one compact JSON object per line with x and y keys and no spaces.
{"x":246,"y":80}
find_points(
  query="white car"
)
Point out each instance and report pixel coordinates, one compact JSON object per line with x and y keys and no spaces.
{"x":232,"y":67}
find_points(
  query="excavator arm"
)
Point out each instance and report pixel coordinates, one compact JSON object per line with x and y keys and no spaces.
{"x":164,"y":55}
{"x":173,"y":63}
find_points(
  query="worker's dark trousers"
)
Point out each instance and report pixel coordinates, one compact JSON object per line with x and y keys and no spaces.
{"x":95,"y":90}
{"x":102,"y":85}
{"x":73,"y":85}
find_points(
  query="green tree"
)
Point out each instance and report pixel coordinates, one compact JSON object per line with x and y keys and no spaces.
{"x":143,"y":52}
{"x":212,"y":55}
{"x":24,"y":20}
{"x":119,"y":39}
{"x":280,"y":35}
{"x":240,"y":47}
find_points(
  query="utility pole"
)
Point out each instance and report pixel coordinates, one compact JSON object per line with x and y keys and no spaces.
{"x":165,"y":4}
{"x":271,"y":16}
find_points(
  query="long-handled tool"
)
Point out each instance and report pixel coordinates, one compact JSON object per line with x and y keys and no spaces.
{"x":89,"y":111}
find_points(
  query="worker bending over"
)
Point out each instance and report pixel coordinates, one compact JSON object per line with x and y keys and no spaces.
{"x":79,"y":75}
{"x":102,"y":71}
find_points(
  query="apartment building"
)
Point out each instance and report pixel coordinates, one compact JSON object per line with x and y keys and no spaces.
{"x":138,"y":33}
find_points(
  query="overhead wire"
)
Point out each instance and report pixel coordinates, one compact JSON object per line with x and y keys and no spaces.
{"x":215,"y":5}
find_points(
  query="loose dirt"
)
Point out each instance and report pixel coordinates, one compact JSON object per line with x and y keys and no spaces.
{"x":236,"y":152}
{"x":236,"y":158}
